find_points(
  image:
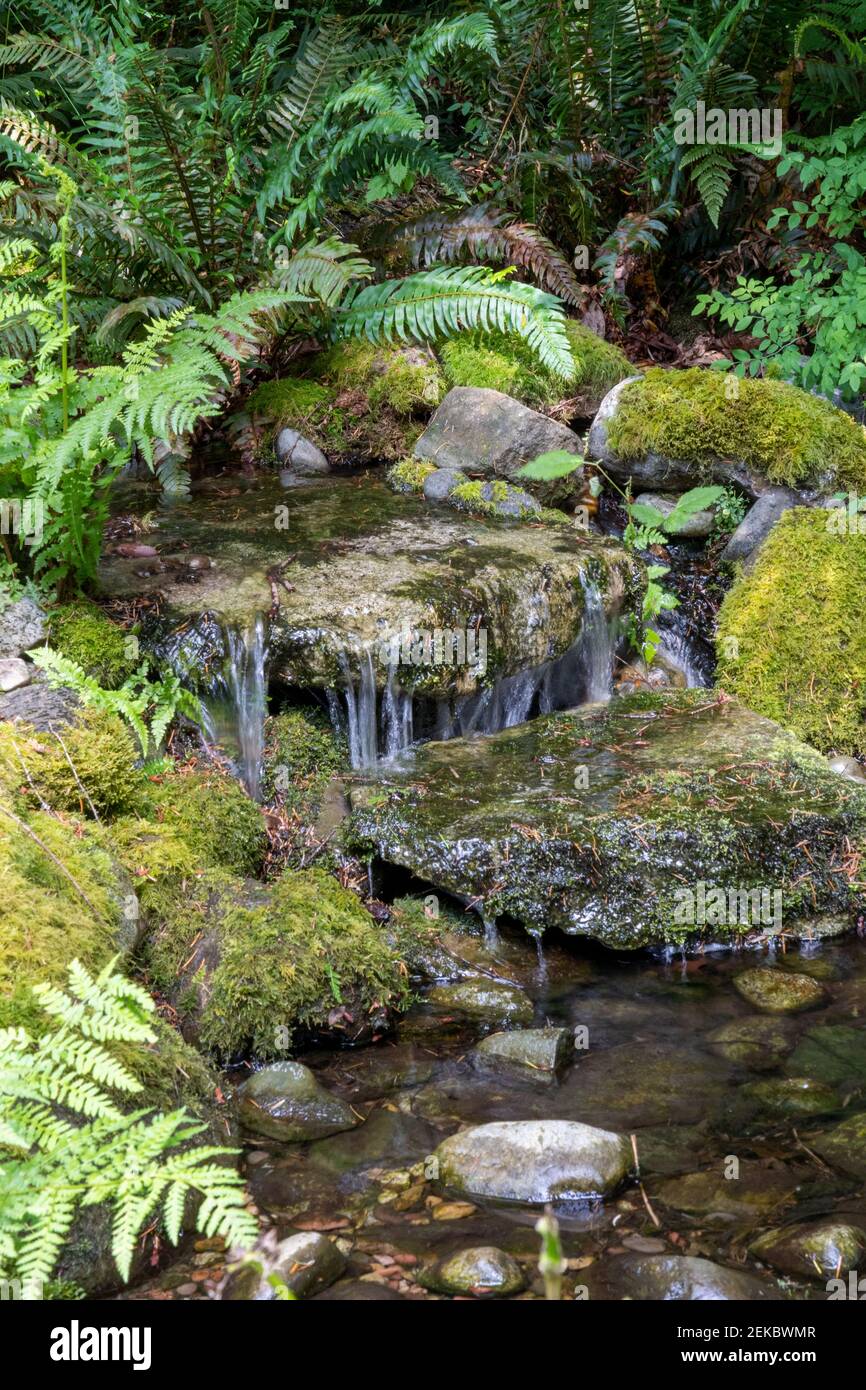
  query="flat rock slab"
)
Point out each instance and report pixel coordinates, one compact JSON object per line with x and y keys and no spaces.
{"x":354,"y":565}
{"x":682,"y":1278}
{"x":534,"y":1161}
{"x":605,"y":821}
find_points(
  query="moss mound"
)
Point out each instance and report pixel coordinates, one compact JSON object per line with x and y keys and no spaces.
{"x":785,"y":433}
{"x":356,"y":399}
{"x":504,"y":362}
{"x":408,"y":475}
{"x":248,"y":966}
{"x":212,"y":816}
{"x":75,"y":903}
{"x":791,"y":638}
{"x":301,"y":756}
{"x":90,"y":764}
{"x":82,"y":632}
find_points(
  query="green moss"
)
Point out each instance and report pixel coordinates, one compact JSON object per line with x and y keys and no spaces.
{"x":504,"y":362}
{"x":792,"y":437}
{"x":406,"y":380}
{"x":292,"y":401}
{"x":47,"y":920}
{"x":408,"y":475}
{"x":91,"y":763}
{"x":82,"y":632}
{"x":213,"y":817}
{"x":470,"y":497}
{"x":791,"y":637}
{"x":301,"y":756}
{"x":255,"y":964}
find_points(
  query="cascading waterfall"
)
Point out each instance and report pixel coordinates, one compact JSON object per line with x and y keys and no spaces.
{"x":596,"y":644}
{"x":383,"y":725}
{"x":235,"y":710}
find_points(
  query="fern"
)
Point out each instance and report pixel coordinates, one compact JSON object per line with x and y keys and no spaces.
{"x":439,"y":303}
{"x":138,"y":1163}
{"x":138,"y":700}
{"x":487,"y":233}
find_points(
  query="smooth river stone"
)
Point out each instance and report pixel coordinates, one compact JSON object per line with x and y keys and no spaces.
{"x":534,"y":1161}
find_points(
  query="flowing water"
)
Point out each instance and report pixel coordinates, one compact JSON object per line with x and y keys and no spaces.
{"x":650,"y":1062}
{"x":236,"y":705}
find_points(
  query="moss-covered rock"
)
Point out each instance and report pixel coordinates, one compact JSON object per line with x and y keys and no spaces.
{"x":409,"y":474}
{"x":355,"y":400}
{"x":505,"y":362}
{"x":791,"y":641}
{"x":602,"y":823}
{"x":83,"y":633}
{"x":211,"y":815}
{"x":248,"y":966}
{"x":64,"y":896}
{"x":301,"y":756}
{"x":696,"y":424}
{"x":90,"y":765}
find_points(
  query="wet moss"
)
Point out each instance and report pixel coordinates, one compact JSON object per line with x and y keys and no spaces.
{"x":787,"y":434}
{"x":304,"y":405}
{"x":89,"y":765}
{"x":302,"y":754}
{"x":503,"y":362}
{"x":791,"y":640}
{"x":675,"y":789}
{"x":83,"y":633}
{"x":405,"y":380}
{"x":212,"y":815}
{"x":254,"y":965}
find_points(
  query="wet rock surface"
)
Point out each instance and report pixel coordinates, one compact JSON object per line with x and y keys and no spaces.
{"x":779,"y":991}
{"x":285,"y":1101}
{"x":534,"y":1161}
{"x":580,"y":821}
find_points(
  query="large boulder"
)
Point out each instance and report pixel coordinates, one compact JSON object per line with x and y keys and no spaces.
{"x":632,"y":823}
{"x":757,"y":524}
{"x":534,"y":1161}
{"x":673,"y":429}
{"x":790,"y":641}
{"x":355,"y":568}
{"x":489,"y":434}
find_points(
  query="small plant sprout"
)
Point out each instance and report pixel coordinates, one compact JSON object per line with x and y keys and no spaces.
{"x":551,"y":1263}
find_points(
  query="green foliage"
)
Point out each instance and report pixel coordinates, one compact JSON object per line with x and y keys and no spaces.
{"x":729,"y":511}
{"x":790,"y":642}
{"x":147,"y":706}
{"x":782,"y":432}
{"x":504,"y":362}
{"x":68,"y":1143}
{"x":824,"y":299}
{"x":556,"y":463}
{"x":301,"y":755}
{"x":88,"y":767}
{"x":655,"y":528}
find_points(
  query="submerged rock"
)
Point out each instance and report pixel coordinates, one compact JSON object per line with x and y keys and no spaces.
{"x":711,"y":1195}
{"x":487,"y":1000}
{"x":845,"y":1146}
{"x":683,"y":1278}
{"x":794,"y":1096}
{"x":758,"y":1043}
{"x":834,"y":1054}
{"x":285,"y":1101}
{"x":483,"y":1272}
{"x":817,"y":1251}
{"x":780,"y":991}
{"x":631,"y":824}
{"x":534,"y":1053}
{"x":534,"y":1161}
{"x":304,"y":1263}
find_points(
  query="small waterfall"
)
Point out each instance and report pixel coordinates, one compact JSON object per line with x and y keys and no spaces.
{"x":596,"y":643}
{"x":235,"y":710}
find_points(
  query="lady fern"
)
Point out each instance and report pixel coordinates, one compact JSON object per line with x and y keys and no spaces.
{"x":69,"y":1142}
